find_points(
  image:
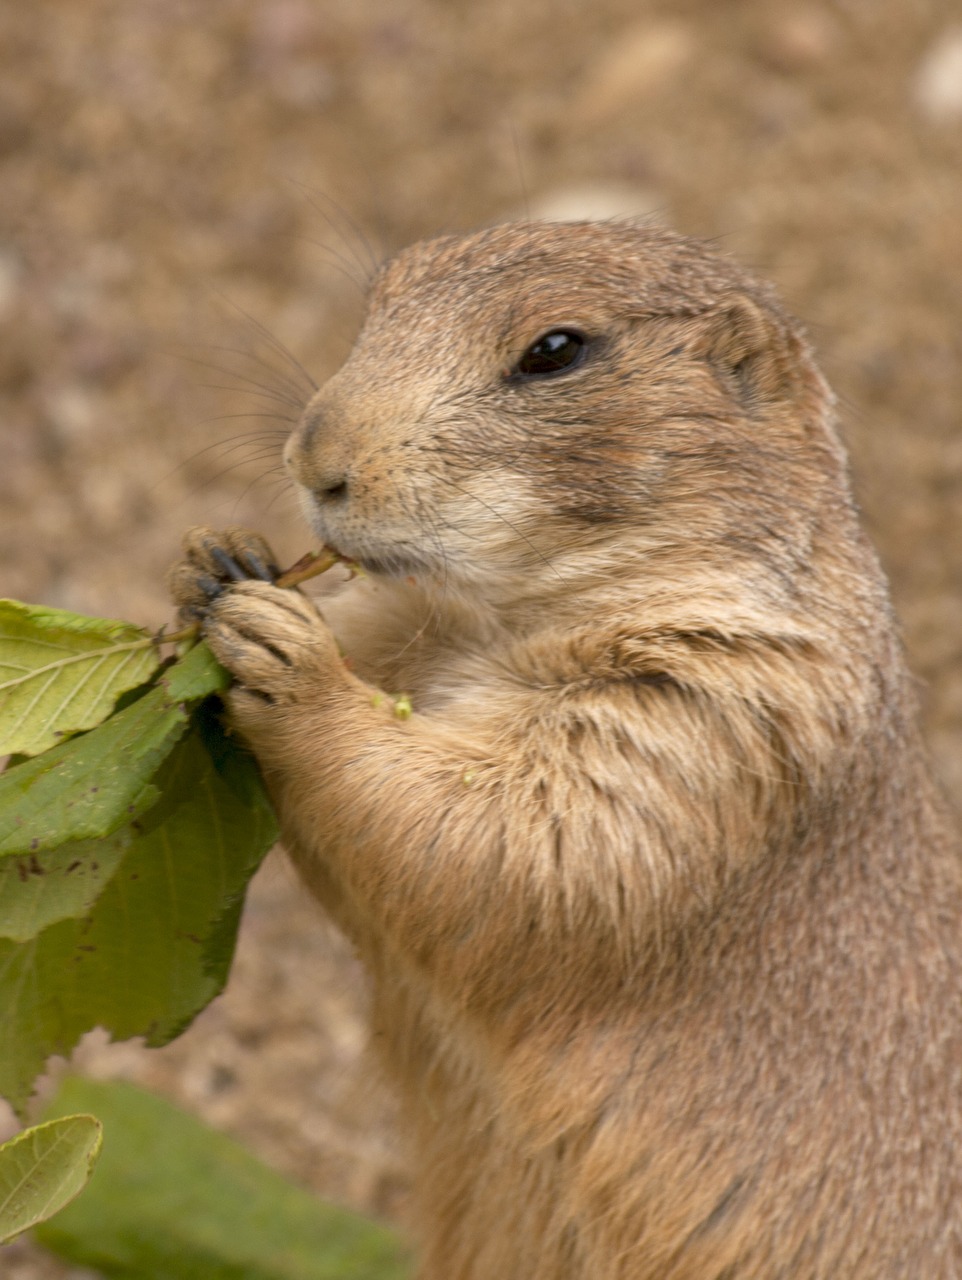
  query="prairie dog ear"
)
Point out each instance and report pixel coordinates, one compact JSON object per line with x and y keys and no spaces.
{"x":751,"y":349}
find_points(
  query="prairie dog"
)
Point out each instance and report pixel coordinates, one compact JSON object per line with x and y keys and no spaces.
{"x":662,"y":916}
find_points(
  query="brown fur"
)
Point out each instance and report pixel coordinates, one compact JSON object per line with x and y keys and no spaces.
{"x":663,"y":920}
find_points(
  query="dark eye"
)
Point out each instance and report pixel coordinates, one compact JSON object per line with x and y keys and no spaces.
{"x":556,"y":352}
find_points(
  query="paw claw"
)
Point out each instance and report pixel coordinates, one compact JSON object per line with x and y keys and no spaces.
{"x":210,"y":587}
{"x":228,"y":565}
{"x":266,"y":572}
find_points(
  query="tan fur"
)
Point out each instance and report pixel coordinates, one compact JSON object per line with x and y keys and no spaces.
{"x":663,"y":920}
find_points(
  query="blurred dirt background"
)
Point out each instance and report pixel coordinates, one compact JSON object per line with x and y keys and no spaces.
{"x":182,"y":184}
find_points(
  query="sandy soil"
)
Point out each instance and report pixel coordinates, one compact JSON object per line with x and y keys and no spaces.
{"x":175,"y":194}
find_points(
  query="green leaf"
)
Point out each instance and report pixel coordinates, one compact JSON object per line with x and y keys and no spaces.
{"x":158,"y":942}
{"x":60,"y":672}
{"x":197,"y":674}
{"x":56,"y":884}
{"x":91,"y":785}
{"x":174,"y":1200}
{"x":43,"y":1168}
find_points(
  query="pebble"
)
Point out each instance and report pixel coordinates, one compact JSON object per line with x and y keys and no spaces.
{"x":938,"y":81}
{"x":72,"y":411}
{"x":596,"y":201}
{"x":799,"y":41}
{"x":643,"y":60}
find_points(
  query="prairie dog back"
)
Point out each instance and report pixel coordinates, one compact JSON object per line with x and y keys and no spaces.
{"x":662,"y":916}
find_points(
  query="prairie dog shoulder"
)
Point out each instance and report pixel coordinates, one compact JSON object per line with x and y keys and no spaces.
{"x":663,"y":920}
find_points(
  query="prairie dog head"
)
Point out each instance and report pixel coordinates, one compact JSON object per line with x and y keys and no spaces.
{"x":538,"y":401}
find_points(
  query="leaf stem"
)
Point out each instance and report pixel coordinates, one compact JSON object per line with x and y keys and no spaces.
{"x":176,"y":637}
{"x":309,"y":566}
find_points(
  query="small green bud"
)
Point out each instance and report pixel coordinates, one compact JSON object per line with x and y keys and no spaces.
{"x":402,"y":707}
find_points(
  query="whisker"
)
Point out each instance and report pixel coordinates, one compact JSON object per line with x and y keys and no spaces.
{"x":248,"y":391}
{"x":263,"y":451}
{"x":295,"y":402}
{"x":337,"y":262}
{"x":273,"y":416}
{"x":253,"y":483}
{"x":504,"y":519}
{"x":312,"y":195}
{"x":525,"y":196}
{"x":246,"y":462}
{"x":436,"y":614}
{"x":250,"y":439}
{"x":380,"y":229}
{"x":284,"y":378}
{"x":281,"y":487}
{"x":271,"y":338}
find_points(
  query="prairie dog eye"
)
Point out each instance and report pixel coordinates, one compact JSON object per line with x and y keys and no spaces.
{"x":555,"y":352}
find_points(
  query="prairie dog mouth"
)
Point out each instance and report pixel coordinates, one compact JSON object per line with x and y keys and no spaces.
{"x":390,"y":564}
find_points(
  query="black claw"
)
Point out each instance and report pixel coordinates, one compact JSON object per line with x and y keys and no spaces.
{"x":227,"y":564}
{"x":266,"y":572}
{"x":210,"y":586}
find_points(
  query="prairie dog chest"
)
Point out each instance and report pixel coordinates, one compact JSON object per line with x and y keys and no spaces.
{"x":399,"y":638}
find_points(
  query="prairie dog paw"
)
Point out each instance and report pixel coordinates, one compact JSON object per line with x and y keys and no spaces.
{"x":272,"y":640}
{"x":212,"y":561}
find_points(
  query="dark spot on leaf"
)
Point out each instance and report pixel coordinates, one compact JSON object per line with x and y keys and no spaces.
{"x":85,"y":946}
{"x":22,"y":871}
{"x":95,"y":866}
{"x":74,"y":865}
{"x":35,"y":843}
{"x":35,"y":868}
{"x":94,"y":790}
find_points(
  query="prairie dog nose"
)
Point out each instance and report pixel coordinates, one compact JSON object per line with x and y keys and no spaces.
{"x":315,"y":463}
